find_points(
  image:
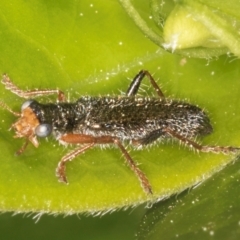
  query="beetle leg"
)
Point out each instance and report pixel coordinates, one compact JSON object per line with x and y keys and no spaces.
{"x":150,"y":138}
{"x":22,"y":149}
{"x":136,"y":82}
{"x":202,"y":148}
{"x":141,"y":176}
{"x":60,"y":171}
{"x":91,"y":141}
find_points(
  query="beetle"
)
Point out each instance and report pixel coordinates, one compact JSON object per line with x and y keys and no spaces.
{"x":91,"y":121}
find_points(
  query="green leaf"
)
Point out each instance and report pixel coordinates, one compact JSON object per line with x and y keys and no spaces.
{"x":193,"y":24}
{"x":197,"y":215}
{"x":191,"y":28}
{"x":92,"y":49}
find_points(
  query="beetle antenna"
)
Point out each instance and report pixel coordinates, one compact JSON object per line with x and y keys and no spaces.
{"x":5,"y":106}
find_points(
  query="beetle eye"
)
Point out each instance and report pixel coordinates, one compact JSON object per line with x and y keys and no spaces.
{"x":26,"y":104}
{"x":43,"y":130}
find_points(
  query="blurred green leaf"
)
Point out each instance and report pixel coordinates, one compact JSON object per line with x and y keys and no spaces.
{"x":92,"y":49}
{"x":210,"y":211}
{"x":192,"y":28}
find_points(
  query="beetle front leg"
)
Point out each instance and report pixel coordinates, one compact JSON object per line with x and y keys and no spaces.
{"x":61,"y":168}
{"x":91,"y":141}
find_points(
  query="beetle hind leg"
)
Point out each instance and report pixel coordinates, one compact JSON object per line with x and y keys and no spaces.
{"x":150,"y":138}
{"x":202,"y":148}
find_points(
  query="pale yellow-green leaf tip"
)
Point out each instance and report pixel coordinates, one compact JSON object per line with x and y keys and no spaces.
{"x":182,"y":31}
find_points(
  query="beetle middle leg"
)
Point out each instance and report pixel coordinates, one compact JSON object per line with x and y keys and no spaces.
{"x":136,"y":82}
{"x":91,"y":141}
